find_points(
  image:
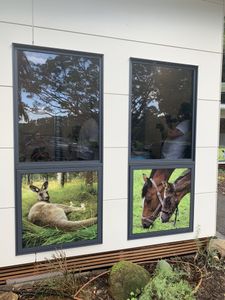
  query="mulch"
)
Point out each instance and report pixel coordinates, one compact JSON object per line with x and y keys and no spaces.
{"x":209,"y":281}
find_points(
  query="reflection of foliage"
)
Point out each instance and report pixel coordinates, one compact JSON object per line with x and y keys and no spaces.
{"x":65,"y":84}
{"x":171,"y":86}
{"x":221,"y":155}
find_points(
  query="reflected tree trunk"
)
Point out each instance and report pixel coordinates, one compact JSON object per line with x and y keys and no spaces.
{"x":89,"y":178}
{"x":61,"y":177}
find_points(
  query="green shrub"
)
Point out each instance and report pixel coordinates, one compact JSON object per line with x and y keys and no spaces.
{"x":167,"y":284}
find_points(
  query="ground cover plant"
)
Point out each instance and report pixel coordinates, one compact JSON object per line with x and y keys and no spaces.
{"x":73,"y":191}
{"x":183,"y":220}
{"x":199,"y":276}
{"x":221,"y":154}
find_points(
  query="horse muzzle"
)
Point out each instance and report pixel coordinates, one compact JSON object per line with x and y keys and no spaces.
{"x":164,"y":217}
{"x":146,"y":222}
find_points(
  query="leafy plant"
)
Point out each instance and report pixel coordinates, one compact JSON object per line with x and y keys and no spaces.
{"x":133,"y":296}
{"x":167,"y":284}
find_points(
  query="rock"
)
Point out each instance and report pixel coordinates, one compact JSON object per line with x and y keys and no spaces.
{"x":218,"y":245}
{"x":126,"y":277}
{"x":164,"y":266}
{"x":8,"y":296}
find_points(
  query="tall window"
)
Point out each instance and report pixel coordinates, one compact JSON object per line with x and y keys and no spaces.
{"x":58,"y":136}
{"x":162,"y":147}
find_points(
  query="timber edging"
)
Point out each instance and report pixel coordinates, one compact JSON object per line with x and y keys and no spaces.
{"x":105,"y":259}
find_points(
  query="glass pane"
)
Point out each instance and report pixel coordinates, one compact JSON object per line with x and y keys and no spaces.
{"x":161,"y":107}
{"x":58,"y":105}
{"x":59,"y":208}
{"x":154,"y":213}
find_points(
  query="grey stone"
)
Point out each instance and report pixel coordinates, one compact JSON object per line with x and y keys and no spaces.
{"x":8,"y":296}
{"x":126,"y":277}
{"x":218,"y":245}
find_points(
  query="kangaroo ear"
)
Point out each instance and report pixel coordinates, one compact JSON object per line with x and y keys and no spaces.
{"x":44,"y":185}
{"x":145,"y":178}
{"x":34,"y":188}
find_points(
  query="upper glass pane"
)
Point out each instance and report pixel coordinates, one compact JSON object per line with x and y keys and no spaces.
{"x":58,"y":106}
{"x":162,"y":111}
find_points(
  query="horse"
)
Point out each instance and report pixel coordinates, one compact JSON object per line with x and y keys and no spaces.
{"x":152,"y":195}
{"x":173,"y":193}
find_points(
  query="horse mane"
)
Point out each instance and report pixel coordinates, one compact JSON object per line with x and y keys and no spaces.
{"x":145,"y":188}
{"x":152,"y":173}
{"x":184,"y":174}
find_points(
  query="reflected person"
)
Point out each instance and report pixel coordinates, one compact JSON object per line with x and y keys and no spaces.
{"x":37,"y":149}
{"x":88,"y":143}
{"x":178,"y":134}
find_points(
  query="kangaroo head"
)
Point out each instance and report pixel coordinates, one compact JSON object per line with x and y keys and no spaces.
{"x":42,"y":193}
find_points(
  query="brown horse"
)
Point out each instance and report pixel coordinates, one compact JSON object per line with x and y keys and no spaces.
{"x":173,"y":193}
{"x":152,"y":195}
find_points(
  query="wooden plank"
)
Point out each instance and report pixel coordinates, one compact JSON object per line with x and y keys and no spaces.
{"x":104,"y":260}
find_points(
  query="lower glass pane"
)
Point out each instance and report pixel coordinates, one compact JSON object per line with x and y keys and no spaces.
{"x":59,"y":209}
{"x":161,"y":201}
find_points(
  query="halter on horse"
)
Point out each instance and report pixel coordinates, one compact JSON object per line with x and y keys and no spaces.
{"x":152,"y":195}
{"x":173,"y":193}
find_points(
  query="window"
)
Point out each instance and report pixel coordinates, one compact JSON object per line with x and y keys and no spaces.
{"x":162,"y":147}
{"x":58,"y":137}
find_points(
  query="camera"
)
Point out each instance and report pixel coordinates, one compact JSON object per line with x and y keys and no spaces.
{"x":170,"y":119}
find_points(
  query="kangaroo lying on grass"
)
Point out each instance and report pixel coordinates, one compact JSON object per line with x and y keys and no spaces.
{"x":44,"y":213}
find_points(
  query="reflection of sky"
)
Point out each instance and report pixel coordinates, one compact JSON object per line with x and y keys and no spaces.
{"x":35,"y":106}
{"x":29,"y":107}
{"x":38,"y":57}
{"x":39,"y":112}
{"x":153,"y":103}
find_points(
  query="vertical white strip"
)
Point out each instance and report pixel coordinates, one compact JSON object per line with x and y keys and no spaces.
{"x":32,"y":22}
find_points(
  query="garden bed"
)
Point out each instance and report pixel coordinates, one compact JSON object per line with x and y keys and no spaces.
{"x":205,"y":273}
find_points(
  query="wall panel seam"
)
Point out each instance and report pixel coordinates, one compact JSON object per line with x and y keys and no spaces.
{"x":15,"y":23}
{"x":5,"y":208}
{"x":6,"y":148}
{"x":128,"y":40}
{"x":115,"y":199}
{"x":210,"y":100}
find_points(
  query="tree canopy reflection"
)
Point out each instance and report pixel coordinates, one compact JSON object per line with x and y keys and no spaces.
{"x":57,"y":94}
{"x":158,"y":91}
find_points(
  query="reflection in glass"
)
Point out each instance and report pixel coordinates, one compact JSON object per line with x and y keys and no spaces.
{"x":161,"y":106}
{"x":58,"y":106}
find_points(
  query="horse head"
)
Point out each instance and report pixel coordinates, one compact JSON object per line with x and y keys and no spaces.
{"x":170,"y":202}
{"x":173,"y":193}
{"x":152,"y":194}
{"x":150,"y":205}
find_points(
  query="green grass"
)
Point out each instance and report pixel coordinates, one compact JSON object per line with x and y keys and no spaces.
{"x":220,"y":154}
{"x":74,"y":191}
{"x":184,"y":206}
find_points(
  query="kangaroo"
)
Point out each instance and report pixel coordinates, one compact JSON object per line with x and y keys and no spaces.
{"x":44,"y":213}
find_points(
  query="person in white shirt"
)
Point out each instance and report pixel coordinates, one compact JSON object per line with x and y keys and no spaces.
{"x":178,"y":141}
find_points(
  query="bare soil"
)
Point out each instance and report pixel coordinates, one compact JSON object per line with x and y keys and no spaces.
{"x":208,"y":281}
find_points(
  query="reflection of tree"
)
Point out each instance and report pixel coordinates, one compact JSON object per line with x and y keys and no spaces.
{"x":173,"y":86}
{"x":65,"y":84}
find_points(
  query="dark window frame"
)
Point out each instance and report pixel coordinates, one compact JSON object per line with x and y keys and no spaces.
{"x":136,"y":164}
{"x":54,"y":166}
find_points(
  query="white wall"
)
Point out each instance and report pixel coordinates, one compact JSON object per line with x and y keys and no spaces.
{"x":179,"y":31}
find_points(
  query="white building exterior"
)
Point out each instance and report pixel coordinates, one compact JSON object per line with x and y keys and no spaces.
{"x":177,"y":31}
